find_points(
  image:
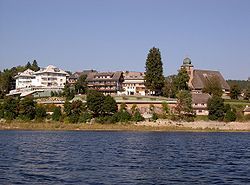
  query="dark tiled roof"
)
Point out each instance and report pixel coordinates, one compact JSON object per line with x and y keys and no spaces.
{"x":130,"y":75}
{"x":94,"y":76}
{"x":76,"y":75}
{"x":200,"y":98}
{"x":201,"y":76}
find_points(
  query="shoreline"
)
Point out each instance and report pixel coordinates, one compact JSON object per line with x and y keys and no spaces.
{"x":145,"y":126}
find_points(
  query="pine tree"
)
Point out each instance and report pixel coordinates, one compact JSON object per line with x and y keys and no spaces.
{"x":35,"y":66}
{"x":154,"y":79}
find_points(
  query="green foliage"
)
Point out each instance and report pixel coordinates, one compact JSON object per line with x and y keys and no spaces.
{"x":68,"y":92}
{"x":67,"y":108}
{"x":216,"y":108}
{"x":230,"y":116}
{"x":137,"y":116}
{"x":27,"y":108}
{"x":165,"y":107}
{"x":85,"y":117}
{"x":28,"y":65}
{"x":123,"y":106}
{"x":122,"y":116}
{"x":34,"y":66}
{"x":154,"y":79}
{"x":213,"y":87}
{"x":109,"y":105}
{"x":235,"y":92}
{"x":134,"y":108}
{"x":1,"y":111}
{"x":81,"y":85}
{"x":242,"y":84}
{"x":57,"y":114}
{"x":170,"y":87}
{"x":247,"y":94}
{"x":154,"y":116}
{"x":95,"y":101}
{"x":181,"y":80}
{"x":40,"y":112}
{"x":106,"y":119}
{"x":10,"y":106}
{"x":184,"y":104}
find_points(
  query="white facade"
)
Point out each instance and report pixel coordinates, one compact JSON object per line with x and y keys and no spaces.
{"x":134,"y":83}
{"x":24,"y":79}
{"x":50,"y":76}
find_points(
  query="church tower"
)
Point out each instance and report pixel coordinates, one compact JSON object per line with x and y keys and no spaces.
{"x":187,"y":64}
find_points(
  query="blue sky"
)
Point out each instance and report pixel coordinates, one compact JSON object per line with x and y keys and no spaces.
{"x":110,"y":35}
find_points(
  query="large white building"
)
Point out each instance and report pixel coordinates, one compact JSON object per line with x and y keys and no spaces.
{"x":40,"y":83}
{"x":133,"y":83}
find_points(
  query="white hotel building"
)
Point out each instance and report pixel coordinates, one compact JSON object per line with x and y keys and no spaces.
{"x":40,"y":83}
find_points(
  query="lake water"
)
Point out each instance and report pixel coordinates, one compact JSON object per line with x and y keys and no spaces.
{"x":76,"y":157}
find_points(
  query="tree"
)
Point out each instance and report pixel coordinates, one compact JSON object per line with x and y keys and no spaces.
{"x":230,"y":116}
{"x":213,"y":87}
{"x":35,"y":66}
{"x":181,"y":80}
{"x":68,"y":92}
{"x":10,"y":106}
{"x":109,"y":105}
{"x":170,"y":89}
{"x":216,"y":108}
{"x":235,"y":92}
{"x":95,"y":102}
{"x":81,"y":84}
{"x":154,"y":79}
{"x":28,"y":65}
{"x":27,"y":108}
{"x":247,"y":94}
{"x":184,"y":107}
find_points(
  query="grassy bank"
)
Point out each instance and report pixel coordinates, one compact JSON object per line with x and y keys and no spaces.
{"x":58,"y":126}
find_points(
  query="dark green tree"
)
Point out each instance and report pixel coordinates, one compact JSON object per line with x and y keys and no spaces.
{"x":216,"y":108}
{"x":27,"y":108}
{"x":35,"y":66}
{"x":181,"y":80}
{"x":213,"y":87}
{"x":10,"y":106}
{"x":154,"y":79}
{"x":109,"y":105}
{"x":95,"y":101}
{"x":235,"y":92}
{"x":247,"y":94}
{"x":81,"y":85}
{"x":28,"y":65}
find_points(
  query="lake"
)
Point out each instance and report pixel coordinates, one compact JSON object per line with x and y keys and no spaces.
{"x":88,"y":157}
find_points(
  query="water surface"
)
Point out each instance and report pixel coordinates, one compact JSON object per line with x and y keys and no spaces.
{"x":76,"y":157}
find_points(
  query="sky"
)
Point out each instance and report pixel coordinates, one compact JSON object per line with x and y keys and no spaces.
{"x":116,"y":35}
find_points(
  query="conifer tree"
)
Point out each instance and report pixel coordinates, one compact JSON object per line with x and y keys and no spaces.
{"x":154,"y":79}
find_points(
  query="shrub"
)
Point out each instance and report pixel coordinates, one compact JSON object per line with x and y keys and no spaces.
{"x":105,"y":119}
{"x":122,"y":116}
{"x":154,"y":116}
{"x":137,"y":116}
{"x":57,"y":114}
{"x":40,"y":112}
{"x":230,"y":116}
{"x":85,"y":117}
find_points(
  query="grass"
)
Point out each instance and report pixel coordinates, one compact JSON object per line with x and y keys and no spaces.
{"x":58,"y":126}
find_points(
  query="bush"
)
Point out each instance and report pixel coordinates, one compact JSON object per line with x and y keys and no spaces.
{"x":230,"y":116}
{"x":137,"y":116}
{"x":57,"y":114}
{"x":73,"y":118}
{"x":105,"y":119}
{"x":40,"y":112}
{"x":85,"y":117}
{"x":154,"y":116}
{"x":122,"y":116}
